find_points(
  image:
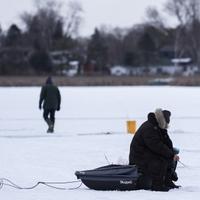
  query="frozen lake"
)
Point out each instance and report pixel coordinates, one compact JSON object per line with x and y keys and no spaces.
{"x":29,"y":154}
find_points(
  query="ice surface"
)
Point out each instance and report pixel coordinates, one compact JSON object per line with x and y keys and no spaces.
{"x":90,"y":131}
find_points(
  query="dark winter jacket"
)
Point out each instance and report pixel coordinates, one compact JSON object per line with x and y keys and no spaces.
{"x":150,"y":143}
{"x":50,"y":97}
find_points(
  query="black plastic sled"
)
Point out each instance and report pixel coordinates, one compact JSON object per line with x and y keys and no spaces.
{"x":110,"y":177}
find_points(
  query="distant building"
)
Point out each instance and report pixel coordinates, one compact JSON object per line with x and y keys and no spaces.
{"x":119,"y":71}
{"x":59,"y":57}
{"x":64,"y":62}
{"x":185,"y":65}
{"x":184,"y":62}
{"x":73,"y":68}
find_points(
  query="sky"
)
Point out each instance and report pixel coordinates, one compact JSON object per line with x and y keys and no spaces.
{"x":113,"y":13}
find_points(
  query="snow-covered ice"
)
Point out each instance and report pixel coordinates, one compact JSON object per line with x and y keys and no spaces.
{"x":28,"y":154}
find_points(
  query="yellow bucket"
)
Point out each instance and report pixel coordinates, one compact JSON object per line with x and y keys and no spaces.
{"x":131,"y":126}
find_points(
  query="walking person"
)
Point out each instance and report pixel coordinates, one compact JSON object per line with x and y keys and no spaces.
{"x":152,"y":151}
{"x":50,"y":100}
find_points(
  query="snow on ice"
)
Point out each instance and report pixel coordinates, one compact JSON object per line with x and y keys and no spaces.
{"x":81,"y":140}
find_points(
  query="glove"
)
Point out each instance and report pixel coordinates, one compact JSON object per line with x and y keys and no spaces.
{"x":176,"y":157}
{"x":40,"y":107}
{"x":58,"y":108}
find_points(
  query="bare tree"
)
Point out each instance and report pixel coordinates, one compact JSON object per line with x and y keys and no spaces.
{"x":41,"y":25}
{"x":185,"y":10}
{"x":155,"y":19}
{"x":73,"y":18}
{"x":71,"y":15}
{"x":156,"y":22}
{"x":48,"y":18}
{"x":187,"y":13}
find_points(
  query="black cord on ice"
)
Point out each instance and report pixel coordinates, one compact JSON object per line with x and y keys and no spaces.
{"x":7,"y":182}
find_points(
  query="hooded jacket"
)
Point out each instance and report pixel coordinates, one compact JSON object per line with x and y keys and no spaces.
{"x":151,"y":142}
{"x":50,"y":96}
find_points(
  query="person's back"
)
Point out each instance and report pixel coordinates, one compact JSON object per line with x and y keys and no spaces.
{"x":51,"y":99}
{"x":51,"y":96}
{"x":149,"y":140}
{"x":138,"y":145}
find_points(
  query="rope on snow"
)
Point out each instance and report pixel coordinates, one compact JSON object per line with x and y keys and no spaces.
{"x":7,"y":182}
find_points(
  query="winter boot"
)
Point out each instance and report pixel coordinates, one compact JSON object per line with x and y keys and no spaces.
{"x":171,"y":185}
{"x":51,"y":126}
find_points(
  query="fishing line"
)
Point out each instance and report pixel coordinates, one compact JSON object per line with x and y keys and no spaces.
{"x":107,"y":159}
{"x":184,"y":165}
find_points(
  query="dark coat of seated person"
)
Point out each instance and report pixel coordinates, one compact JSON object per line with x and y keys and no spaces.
{"x":152,"y":151}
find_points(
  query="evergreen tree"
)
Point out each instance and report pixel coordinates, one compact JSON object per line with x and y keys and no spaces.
{"x":1,"y":36}
{"x":146,"y":47}
{"x":13,"y":35}
{"x":40,"y":61}
{"x":97,"y":51}
{"x":58,"y":32}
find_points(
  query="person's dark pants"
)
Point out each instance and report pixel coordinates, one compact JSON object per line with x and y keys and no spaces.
{"x":49,"y":114}
{"x":171,"y":172}
{"x":156,"y":171}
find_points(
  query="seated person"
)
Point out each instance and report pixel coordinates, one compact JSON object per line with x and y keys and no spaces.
{"x":152,"y":151}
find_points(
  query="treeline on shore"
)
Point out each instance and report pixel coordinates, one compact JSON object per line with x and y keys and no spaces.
{"x":50,"y":42}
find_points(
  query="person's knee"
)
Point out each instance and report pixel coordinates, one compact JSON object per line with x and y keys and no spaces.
{"x":45,"y":116}
{"x":52,"y":118}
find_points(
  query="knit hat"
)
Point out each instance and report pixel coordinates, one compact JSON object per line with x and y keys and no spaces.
{"x":49,"y":81}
